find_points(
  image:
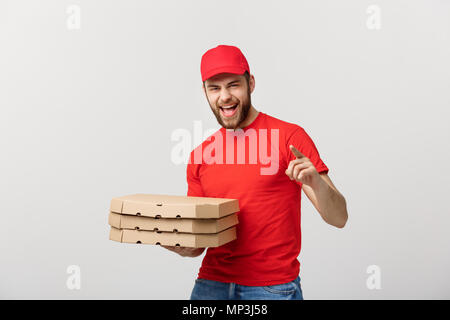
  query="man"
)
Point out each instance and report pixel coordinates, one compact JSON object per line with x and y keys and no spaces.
{"x":262,"y":262}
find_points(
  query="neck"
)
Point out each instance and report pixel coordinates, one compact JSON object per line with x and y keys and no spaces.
{"x":251,"y":116}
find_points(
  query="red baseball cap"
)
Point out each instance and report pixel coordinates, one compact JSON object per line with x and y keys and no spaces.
{"x":223,"y":59}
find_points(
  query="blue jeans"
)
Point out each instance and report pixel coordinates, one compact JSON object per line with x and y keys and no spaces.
{"x":214,"y":290}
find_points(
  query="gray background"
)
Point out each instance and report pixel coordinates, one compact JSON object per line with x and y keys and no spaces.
{"x":88,"y":114}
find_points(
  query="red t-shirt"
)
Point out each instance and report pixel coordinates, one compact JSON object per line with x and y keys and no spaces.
{"x":268,"y":234}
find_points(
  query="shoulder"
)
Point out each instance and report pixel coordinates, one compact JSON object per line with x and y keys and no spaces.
{"x":286,"y":128}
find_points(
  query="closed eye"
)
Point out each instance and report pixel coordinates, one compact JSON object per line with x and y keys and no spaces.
{"x":232,"y":85}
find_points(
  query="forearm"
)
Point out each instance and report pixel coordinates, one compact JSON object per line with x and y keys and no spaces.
{"x":331,"y":204}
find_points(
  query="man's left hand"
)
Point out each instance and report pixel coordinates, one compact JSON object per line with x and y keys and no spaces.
{"x":302,"y":169}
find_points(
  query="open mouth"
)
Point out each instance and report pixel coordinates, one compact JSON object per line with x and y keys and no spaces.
{"x":228,"y":111}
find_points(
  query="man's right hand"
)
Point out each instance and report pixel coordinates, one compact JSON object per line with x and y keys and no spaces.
{"x":185,"y":251}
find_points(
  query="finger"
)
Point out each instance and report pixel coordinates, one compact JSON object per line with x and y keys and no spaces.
{"x":291,"y":165}
{"x":298,"y":168}
{"x":296,"y":153}
{"x":289,"y":169}
{"x":304,"y":174}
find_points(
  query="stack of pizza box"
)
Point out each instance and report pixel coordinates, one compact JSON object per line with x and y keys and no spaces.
{"x":184,"y":221}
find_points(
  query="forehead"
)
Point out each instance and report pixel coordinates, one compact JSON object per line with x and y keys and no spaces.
{"x":224,"y":78}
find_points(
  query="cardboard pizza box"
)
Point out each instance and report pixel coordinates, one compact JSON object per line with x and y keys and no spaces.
{"x":173,"y":239}
{"x":121,"y":221}
{"x":169,"y":206}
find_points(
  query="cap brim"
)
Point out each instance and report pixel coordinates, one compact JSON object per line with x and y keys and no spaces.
{"x":231,"y":69}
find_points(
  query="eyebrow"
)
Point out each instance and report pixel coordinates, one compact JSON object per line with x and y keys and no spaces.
{"x":215,"y":85}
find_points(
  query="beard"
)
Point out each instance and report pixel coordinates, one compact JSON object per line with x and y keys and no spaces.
{"x":243,"y":108}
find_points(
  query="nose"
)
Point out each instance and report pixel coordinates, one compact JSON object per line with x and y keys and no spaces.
{"x":225,"y":96}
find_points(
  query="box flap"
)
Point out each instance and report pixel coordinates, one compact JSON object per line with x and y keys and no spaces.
{"x":116,"y":205}
{"x":114,"y":220}
{"x":184,"y":225}
{"x":159,"y":238}
{"x":170,"y":206}
{"x":115,"y":234}
{"x":176,"y":239}
{"x":223,"y":237}
{"x":214,"y":225}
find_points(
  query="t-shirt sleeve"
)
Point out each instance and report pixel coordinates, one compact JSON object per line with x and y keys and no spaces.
{"x":303,"y":142}
{"x":193,"y":180}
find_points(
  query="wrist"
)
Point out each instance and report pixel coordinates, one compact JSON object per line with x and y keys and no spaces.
{"x":318,"y":184}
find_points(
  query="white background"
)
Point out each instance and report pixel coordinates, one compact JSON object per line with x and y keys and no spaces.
{"x":87,"y":114}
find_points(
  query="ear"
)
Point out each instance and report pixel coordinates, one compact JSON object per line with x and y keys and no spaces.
{"x":252,"y":83}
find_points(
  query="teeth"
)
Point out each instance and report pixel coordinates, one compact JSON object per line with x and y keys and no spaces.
{"x":227,"y":107}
